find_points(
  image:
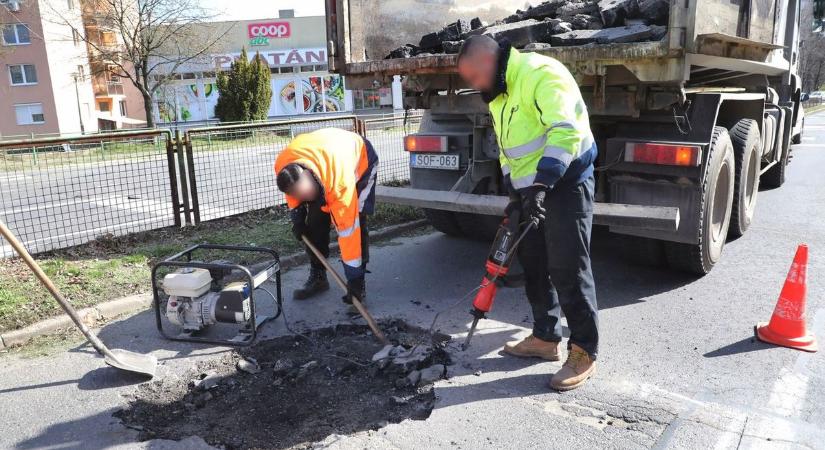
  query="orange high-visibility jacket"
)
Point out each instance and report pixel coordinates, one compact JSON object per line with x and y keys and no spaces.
{"x":338,"y":159}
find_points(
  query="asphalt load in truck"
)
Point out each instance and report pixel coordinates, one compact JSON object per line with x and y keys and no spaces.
{"x":554,"y":23}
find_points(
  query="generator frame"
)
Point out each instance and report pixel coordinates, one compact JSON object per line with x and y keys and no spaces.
{"x":249,"y":331}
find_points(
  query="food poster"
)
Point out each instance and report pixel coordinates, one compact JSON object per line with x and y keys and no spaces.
{"x":306,"y":95}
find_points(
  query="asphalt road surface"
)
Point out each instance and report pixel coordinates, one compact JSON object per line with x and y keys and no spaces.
{"x":678,"y":367}
{"x":55,"y":207}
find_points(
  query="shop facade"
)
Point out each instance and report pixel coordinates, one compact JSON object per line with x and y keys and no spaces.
{"x":294,"y":49}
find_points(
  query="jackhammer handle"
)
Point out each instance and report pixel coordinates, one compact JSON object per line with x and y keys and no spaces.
{"x":47,"y":283}
{"x":343,"y":284}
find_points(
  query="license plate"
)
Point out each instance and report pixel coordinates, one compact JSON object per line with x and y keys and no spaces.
{"x":443,"y":161}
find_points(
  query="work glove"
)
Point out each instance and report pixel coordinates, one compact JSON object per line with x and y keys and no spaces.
{"x":532,"y":204}
{"x":299,"y":221}
{"x":356,"y":287}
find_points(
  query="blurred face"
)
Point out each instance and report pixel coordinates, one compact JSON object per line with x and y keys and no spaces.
{"x":305,"y":189}
{"x":478,"y":70}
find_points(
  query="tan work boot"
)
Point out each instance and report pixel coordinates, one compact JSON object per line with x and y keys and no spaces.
{"x":575,"y":371}
{"x":532,"y":346}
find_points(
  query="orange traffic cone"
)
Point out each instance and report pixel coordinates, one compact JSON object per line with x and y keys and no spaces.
{"x":787,"y":325}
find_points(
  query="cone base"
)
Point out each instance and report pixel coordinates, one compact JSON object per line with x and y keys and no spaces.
{"x":804,"y":343}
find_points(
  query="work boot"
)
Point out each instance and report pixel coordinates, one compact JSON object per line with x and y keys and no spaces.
{"x":532,"y":346}
{"x":575,"y":371}
{"x":362,"y":295}
{"x":315,"y":284}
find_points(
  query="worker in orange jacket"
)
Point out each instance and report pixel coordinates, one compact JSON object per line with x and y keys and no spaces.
{"x":328,"y":176}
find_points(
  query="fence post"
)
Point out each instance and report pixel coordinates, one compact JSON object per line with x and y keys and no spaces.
{"x":173,"y":179}
{"x":34,"y":153}
{"x":193,"y":186}
{"x":184,"y":182}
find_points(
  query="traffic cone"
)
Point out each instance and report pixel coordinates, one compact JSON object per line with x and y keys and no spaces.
{"x":787,"y":325}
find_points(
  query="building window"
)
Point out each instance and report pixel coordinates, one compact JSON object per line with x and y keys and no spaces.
{"x":103,"y":106}
{"x":188,"y":76}
{"x":70,"y":4}
{"x":287,"y":69}
{"x":81,"y":73}
{"x":75,"y":37}
{"x":123,"y":108}
{"x":22,"y":74}
{"x":321,"y":68}
{"x":29,"y":114}
{"x":16,"y":34}
{"x":307,"y":68}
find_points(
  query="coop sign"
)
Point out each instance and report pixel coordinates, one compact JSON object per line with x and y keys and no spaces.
{"x":260,"y":33}
{"x":277,"y":58}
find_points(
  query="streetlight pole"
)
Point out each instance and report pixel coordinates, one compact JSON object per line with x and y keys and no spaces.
{"x":77,"y":96}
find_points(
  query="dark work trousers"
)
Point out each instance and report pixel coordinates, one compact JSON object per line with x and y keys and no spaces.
{"x":557,"y":272}
{"x":318,"y":226}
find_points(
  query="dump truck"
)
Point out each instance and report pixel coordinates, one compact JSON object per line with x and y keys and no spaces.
{"x":688,"y":126}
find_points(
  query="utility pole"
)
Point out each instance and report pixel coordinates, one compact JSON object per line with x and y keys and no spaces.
{"x":77,"y":96}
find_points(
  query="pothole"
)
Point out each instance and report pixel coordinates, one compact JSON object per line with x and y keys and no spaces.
{"x":292,"y":391}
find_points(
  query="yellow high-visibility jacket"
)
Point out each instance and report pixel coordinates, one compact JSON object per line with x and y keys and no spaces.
{"x":541,"y":123}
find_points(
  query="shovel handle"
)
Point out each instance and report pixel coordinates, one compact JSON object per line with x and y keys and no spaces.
{"x":47,"y":283}
{"x":343,"y":284}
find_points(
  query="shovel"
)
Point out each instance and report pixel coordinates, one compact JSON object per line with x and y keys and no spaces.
{"x":120,"y":359}
{"x":355,"y":301}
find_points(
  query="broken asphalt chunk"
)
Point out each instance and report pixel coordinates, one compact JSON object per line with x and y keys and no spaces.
{"x":614,"y":35}
{"x":614,"y":12}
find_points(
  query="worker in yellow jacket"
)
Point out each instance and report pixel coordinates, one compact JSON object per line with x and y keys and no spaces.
{"x":546,"y":151}
{"x":328,"y":176}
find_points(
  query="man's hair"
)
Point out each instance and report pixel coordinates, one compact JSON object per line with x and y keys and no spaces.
{"x":288,"y":176}
{"x":476,"y":44}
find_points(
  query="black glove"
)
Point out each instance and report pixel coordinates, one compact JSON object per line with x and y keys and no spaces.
{"x":512,"y":206}
{"x":532,"y":204}
{"x":355,"y":287}
{"x":299,"y":221}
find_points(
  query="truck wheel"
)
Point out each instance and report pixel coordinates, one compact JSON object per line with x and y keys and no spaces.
{"x":798,"y":138}
{"x":715,"y":210}
{"x":479,"y":227}
{"x":443,"y":221}
{"x":746,"y":140}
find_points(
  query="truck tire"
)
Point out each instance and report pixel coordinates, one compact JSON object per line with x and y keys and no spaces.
{"x":797,"y":139}
{"x":775,"y":176}
{"x":443,"y":221}
{"x":747,"y":152}
{"x":714,"y":212}
{"x":479,"y":227}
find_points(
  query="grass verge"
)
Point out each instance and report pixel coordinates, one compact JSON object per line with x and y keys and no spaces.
{"x":114,"y":267}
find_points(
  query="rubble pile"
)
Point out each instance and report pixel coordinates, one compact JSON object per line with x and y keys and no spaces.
{"x":554,"y":23}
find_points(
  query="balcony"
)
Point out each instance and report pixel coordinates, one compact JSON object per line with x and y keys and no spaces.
{"x":108,"y":88}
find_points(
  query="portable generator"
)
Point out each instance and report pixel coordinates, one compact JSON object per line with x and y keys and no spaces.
{"x":200,"y":294}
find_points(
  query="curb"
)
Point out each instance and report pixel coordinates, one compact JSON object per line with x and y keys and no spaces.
{"x":114,"y":308}
{"x":89,"y":316}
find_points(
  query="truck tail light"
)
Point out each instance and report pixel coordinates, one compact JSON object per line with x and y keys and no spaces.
{"x":663,"y":154}
{"x":431,"y":144}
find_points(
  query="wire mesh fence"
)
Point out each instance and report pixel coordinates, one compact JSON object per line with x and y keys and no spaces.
{"x":57,"y":193}
{"x":232,"y":167}
{"x":387,"y":136}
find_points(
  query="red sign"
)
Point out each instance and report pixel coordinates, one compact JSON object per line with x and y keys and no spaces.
{"x":269,"y":30}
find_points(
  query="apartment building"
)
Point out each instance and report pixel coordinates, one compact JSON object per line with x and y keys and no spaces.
{"x":47,"y":83}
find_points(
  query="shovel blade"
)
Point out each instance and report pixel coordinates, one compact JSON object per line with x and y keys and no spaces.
{"x":132,"y":362}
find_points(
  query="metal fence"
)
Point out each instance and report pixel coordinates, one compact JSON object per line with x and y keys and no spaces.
{"x":60,"y":192}
{"x":387,"y":136}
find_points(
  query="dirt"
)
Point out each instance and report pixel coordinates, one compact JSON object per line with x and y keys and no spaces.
{"x":308,"y":388}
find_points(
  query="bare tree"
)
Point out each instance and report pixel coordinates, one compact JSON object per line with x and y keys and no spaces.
{"x":812,"y":52}
{"x":148,"y":42}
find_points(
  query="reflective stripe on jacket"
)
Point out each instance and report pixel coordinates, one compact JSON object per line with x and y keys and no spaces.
{"x":338,"y":159}
{"x":541,"y":123}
